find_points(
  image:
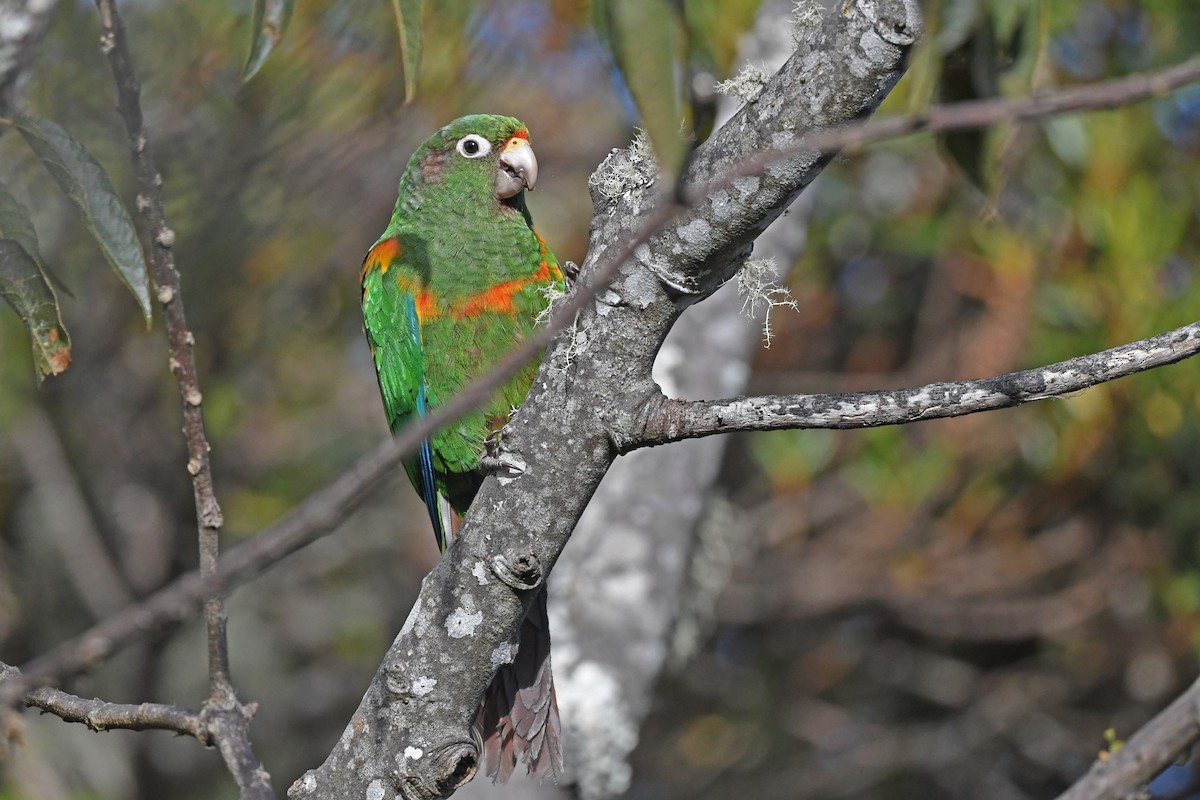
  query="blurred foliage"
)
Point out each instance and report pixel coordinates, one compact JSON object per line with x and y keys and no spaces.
{"x":962,"y":608}
{"x":855,"y":635}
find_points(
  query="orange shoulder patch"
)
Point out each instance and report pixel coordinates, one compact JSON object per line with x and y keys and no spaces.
{"x":381,"y":256}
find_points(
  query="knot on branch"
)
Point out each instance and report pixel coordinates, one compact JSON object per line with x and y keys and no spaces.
{"x":523,"y":574}
{"x":439,"y":772}
{"x":899,"y":23}
{"x":650,"y":418}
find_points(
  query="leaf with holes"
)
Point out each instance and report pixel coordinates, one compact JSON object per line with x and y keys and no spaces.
{"x":24,"y":287}
{"x":271,"y":18}
{"x":87,"y":185}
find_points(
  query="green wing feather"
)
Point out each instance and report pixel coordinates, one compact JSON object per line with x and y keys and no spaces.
{"x":394,"y":334}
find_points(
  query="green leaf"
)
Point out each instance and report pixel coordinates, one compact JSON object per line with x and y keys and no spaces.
{"x":647,"y":39}
{"x":408,"y":22}
{"x":24,"y":287}
{"x":271,"y":18}
{"x":971,"y":72}
{"x":87,"y":185}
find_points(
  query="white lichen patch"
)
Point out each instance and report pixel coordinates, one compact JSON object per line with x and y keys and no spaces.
{"x":423,"y":685}
{"x":376,"y":790}
{"x":760,"y":291}
{"x":721,"y":205}
{"x":806,"y":18}
{"x":502,"y":655}
{"x":696,"y":232}
{"x":462,"y":622}
{"x":480,"y":573}
{"x":414,"y":620}
{"x":626,"y":172}
{"x":746,"y":185}
{"x":747,"y":85}
{"x":560,"y":359}
{"x":413,"y":753}
{"x":554,"y":294}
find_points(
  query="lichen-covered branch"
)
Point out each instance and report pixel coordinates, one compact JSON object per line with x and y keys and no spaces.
{"x":411,"y":735}
{"x":668,"y":420}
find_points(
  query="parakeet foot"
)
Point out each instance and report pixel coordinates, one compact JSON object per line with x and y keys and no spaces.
{"x":570,"y":271}
{"x":496,"y":459}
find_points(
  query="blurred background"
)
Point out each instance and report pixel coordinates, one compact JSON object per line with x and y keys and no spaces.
{"x":958,"y":608}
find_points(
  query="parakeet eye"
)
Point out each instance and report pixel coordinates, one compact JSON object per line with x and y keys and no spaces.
{"x":474,"y":146}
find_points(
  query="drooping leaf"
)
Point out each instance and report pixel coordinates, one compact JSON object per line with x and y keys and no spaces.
{"x":15,"y":224}
{"x":270,"y":20}
{"x":713,"y":33}
{"x":408,"y":22}
{"x":646,"y":39}
{"x":87,"y":185}
{"x":970,"y":72}
{"x":24,"y":287}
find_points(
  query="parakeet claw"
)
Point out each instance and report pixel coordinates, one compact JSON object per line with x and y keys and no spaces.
{"x":507,"y":465}
{"x":570,"y":271}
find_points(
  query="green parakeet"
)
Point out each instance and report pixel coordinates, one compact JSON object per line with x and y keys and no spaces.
{"x":457,"y":279}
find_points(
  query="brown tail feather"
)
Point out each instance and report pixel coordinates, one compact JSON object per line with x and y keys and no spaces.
{"x":519,"y":715}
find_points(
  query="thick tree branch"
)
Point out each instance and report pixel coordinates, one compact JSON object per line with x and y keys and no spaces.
{"x":668,"y":420}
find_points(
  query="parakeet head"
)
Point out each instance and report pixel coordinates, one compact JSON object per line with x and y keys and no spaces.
{"x":482,"y":158}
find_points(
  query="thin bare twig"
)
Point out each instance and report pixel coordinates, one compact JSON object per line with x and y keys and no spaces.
{"x":230,"y":719}
{"x":670,"y":420}
{"x":99,"y":715}
{"x":180,"y":339}
{"x":1095,"y":96}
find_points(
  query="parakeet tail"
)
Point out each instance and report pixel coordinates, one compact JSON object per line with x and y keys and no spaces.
{"x":519,"y":715}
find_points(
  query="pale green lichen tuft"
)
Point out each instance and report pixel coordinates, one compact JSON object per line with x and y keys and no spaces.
{"x":626,"y":172}
{"x":806,"y":18}
{"x":746,"y":85}
{"x":560,"y":360}
{"x":759,"y":289}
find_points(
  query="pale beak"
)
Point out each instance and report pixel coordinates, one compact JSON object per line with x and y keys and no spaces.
{"x":518,"y":168}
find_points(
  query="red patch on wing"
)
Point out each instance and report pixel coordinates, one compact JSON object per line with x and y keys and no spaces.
{"x":499,"y":298}
{"x":427,"y":307}
{"x":382,"y":256}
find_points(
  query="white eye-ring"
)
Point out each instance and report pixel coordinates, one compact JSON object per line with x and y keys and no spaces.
{"x":474,"y":146}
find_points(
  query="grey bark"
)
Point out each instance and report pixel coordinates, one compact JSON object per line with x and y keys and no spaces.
{"x":411,"y":735}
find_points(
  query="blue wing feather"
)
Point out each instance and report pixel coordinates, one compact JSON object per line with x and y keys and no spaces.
{"x":428,"y":487}
{"x":394,"y":333}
